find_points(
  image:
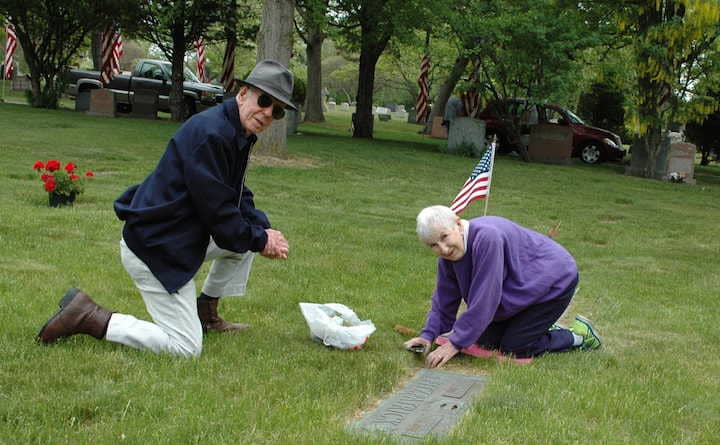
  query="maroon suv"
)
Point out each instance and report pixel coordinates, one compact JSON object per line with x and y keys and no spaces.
{"x":591,"y":144}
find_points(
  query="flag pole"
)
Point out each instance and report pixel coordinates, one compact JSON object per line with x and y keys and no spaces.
{"x":492,"y":165}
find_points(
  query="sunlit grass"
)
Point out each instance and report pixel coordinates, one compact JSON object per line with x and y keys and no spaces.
{"x":647,"y":253}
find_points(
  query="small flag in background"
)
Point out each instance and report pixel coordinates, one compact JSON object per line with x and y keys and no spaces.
{"x":200,"y":59}
{"x":477,"y":185}
{"x":421,"y":105}
{"x":10,"y":47}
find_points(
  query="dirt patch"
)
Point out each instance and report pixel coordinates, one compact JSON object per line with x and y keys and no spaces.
{"x":291,"y":161}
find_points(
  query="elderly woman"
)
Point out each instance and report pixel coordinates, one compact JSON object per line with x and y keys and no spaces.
{"x":516,"y":284}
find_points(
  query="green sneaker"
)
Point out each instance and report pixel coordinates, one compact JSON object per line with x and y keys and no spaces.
{"x":584,"y":328}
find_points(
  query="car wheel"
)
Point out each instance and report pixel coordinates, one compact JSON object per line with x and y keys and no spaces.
{"x":590,"y":153}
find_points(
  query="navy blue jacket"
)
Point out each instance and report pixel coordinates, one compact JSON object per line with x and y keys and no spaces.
{"x":193,"y":194}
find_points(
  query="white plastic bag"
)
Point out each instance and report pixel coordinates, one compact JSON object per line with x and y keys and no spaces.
{"x":336,"y":325}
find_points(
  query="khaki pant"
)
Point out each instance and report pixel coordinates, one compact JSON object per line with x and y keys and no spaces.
{"x":176,"y":327}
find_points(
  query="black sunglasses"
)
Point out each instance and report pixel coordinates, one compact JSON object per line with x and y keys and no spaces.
{"x":265,"y":100}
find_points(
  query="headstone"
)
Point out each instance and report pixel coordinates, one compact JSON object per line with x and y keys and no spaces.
{"x":145,"y":104}
{"x":681,"y":163}
{"x":429,"y":405}
{"x":293,"y":120}
{"x":20,"y":83}
{"x":82,"y":101}
{"x":550,"y":143}
{"x":383,"y":113}
{"x":412,"y":116}
{"x":438,"y":130}
{"x":331,"y":106}
{"x":466,"y":132}
{"x":344,"y":106}
{"x":102,"y":103}
{"x":401,"y":108}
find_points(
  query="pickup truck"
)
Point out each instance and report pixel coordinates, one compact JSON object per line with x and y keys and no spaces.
{"x":148,"y":75}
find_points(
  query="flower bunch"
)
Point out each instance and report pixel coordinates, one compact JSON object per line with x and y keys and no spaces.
{"x":61,"y":180}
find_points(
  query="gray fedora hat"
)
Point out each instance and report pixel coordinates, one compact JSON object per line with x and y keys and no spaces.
{"x":271,"y":77}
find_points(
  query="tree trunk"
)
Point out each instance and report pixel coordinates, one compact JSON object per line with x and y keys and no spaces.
{"x":177,"y":101}
{"x":649,"y":153}
{"x":31,"y":59}
{"x":363,"y":125}
{"x":446,"y":90}
{"x":313,"y":92}
{"x":96,"y":50}
{"x":274,"y":41}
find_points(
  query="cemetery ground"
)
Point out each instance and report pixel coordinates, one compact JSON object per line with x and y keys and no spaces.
{"x":647,"y":252}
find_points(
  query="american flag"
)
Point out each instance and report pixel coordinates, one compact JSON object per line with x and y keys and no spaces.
{"x":112,"y":49}
{"x":228,"y":75}
{"x":117,"y":53}
{"x":477,"y":185}
{"x":200,"y":46}
{"x":10,"y":47}
{"x":421,"y":106}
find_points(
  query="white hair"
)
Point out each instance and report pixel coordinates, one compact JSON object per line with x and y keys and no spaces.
{"x":432,"y":219}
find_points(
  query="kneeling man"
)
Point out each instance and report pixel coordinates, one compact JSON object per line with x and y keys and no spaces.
{"x":194,"y":207}
{"x":516,"y":284}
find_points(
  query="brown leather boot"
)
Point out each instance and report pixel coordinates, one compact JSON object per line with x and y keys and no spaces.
{"x":78,"y":314}
{"x":211,"y":321}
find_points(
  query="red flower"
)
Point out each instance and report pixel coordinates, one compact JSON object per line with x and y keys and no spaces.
{"x":70,"y":167}
{"x":50,"y":185}
{"x":74,"y":177}
{"x":52,"y":165}
{"x":89,"y":174}
{"x":45,"y":177}
{"x":38,"y":165}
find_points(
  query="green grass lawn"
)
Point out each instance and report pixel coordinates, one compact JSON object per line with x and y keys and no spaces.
{"x":647,"y":251}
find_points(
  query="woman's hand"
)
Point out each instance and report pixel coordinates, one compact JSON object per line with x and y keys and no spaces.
{"x":441,"y":355}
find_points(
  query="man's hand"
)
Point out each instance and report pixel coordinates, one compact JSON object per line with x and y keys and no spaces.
{"x":417,"y":341}
{"x":276,"y":246}
{"x":441,"y":355}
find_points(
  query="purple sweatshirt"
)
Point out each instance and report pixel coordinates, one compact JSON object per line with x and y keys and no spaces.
{"x":506,"y":268}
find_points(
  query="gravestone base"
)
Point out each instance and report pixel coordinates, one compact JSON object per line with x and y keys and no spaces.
{"x":102,"y":103}
{"x":145,"y":104}
{"x":467,"y":134}
{"x":550,"y":144}
{"x":438,"y":130}
{"x":82,"y":101}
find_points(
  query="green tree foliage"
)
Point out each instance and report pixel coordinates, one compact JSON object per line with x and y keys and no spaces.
{"x":51,"y":32}
{"x":173,"y":26}
{"x":527,"y":48}
{"x":367,"y":26}
{"x":706,"y":135}
{"x":399,"y":66}
{"x":676,"y":56}
{"x":522,"y":48}
{"x":603,"y":106}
